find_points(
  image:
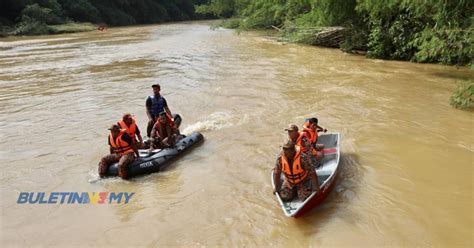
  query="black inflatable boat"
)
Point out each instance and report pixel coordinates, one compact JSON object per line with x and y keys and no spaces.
{"x":159,"y":159}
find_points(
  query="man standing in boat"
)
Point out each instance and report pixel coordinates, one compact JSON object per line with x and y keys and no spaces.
{"x":154,"y":105}
{"x":300,"y":178}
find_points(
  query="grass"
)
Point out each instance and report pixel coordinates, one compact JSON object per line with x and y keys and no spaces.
{"x":72,"y":27}
{"x":463,"y":95}
{"x":232,"y":23}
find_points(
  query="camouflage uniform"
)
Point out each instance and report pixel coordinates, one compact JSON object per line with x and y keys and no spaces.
{"x":306,"y":145}
{"x":317,"y":160}
{"x":302,"y":189}
{"x":123,"y":162}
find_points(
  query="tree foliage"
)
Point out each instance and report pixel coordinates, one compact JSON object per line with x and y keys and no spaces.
{"x":32,"y":16}
{"x":463,"y":95}
{"x":420,"y":30}
{"x":434,"y":31}
{"x":80,"y":11}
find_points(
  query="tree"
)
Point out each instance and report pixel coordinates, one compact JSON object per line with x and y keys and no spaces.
{"x":80,"y":10}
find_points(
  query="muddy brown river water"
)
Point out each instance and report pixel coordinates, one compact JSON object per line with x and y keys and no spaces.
{"x":407,"y":167}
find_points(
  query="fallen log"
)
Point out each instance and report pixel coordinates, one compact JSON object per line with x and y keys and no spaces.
{"x":321,"y":36}
{"x":329,"y":37}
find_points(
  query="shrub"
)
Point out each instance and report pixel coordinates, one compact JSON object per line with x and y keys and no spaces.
{"x":232,"y":23}
{"x":36,"y":13}
{"x":463,"y":95}
{"x":80,"y":10}
{"x":219,"y":8}
{"x":31,"y":27}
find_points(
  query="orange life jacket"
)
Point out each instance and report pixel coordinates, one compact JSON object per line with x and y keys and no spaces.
{"x":119,"y":145}
{"x":294,"y":173}
{"x":170,"y":125}
{"x":170,"y":121}
{"x":158,"y":124}
{"x":131,"y":130}
{"x":299,"y":142}
{"x":309,"y":133}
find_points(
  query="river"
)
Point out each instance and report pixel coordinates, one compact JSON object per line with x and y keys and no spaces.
{"x":406,"y":175}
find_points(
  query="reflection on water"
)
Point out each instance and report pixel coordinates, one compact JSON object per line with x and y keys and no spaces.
{"x":400,"y":141}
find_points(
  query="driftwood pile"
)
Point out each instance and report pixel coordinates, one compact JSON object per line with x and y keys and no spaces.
{"x":329,"y":37}
{"x":318,"y":36}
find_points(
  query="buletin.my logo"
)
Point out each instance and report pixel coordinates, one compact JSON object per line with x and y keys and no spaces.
{"x":74,"y":197}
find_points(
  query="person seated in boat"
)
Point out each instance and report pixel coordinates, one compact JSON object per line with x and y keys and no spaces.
{"x":122,"y":150}
{"x":310,"y":131}
{"x":300,"y":179}
{"x":311,"y":126}
{"x":154,"y":106}
{"x":164,"y":132}
{"x":130,"y":125}
{"x":299,"y":139}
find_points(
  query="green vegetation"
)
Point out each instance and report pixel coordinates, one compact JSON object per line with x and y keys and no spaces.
{"x":34,"y":17}
{"x":436,"y":31}
{"x":232,"y":23}
{"x":463,"y":95}
{"x":72,"y":27}
{"x":426,"y":31}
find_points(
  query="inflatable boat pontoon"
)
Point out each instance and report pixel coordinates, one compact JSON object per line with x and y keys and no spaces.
{"x":160,"y":158}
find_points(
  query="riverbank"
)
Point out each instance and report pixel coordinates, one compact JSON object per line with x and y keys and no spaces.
{"x":36,"y":17}
{"x":348,"y":41}
{"x":426,"y":32}
{"x":72,"y":28}
{"x":43,"y":29}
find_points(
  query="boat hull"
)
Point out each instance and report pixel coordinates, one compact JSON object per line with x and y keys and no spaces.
{"x":327,"y":176}
{"x":317,"y":199}
{"x":150,"y":163}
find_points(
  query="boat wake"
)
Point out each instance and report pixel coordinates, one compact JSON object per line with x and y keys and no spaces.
{"x":215,"y":121}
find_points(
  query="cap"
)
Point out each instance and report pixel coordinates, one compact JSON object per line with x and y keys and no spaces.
{"x":156,"y":85}
{"x":114,"y":127}
{"x":292,"y":127}
{"x":288,"y":144}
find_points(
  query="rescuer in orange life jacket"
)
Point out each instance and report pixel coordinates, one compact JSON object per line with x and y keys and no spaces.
{"x":299,"y":139}
{"x":130,"y":125}
{"x":310,"y":131}
{"x":164,"y":133}
{"x":122,"y":150}
{"x":300,"y":178}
